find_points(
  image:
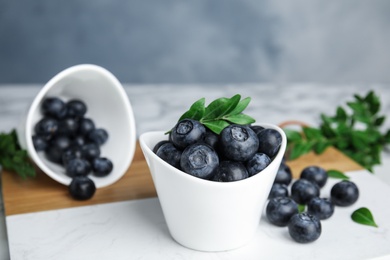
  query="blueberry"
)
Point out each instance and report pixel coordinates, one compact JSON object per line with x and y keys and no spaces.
{"x":46,"y":127}
{"x":322,"y":208}
{"x":82,"y":188}
{"x":39,"y":142}
{"x":169,"y":153}
{"x":316,"y":174}
{"x":283,"y":175}
{"x":257,"y":163}
{"x":78,"y":166}
{"x":68,"y":126}
{"x":269,"y":141}
{"x":280,"y":210}
{"x":102,"y":166}
{"x":211,"y":139}
{"x":238,"y":142}
{"x":78,"y":140}
{"x":71,"y":153}
{"x":62,"y":142}
{"x":159,"y":144}
{"x":54,"y":154}
{"x":98,"y":135}
{"x":86,"y":125}
{"x":256,"y":128}
{"x":187,"y":132}
{"x":90,"y":151}
{"x":76,"y":108}
{"x":302,"y":191}
{"x":199,"y":160}
{"x":344,"y":193}
{"x":53,"y":107}
{"x":278,"y":190}
{"x":304,"y":228}
{"x":230,"y":171}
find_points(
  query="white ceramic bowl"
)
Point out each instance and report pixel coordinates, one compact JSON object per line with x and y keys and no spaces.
{"x":206,"y":215}
{"x":108,"y":106}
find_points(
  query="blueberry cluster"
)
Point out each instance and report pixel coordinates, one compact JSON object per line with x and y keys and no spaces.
{"x":70,"y":139}
{"x":238,"y":152}
{"x":282,"y":209}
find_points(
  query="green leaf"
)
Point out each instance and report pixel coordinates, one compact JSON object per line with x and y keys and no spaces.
{"x":292,"y":135}
{"x":220,"y":107}
{"x":379,"y":121}
{"x":301,"y":208}
{"x":240,"y":119}
{"x":341,"y":115}
{"x":299,"y":149}
{"x":311,"y":133}
{"x":337,"y":174}
{"x":216,"y":126}
{"x":196,"y":110}
{"x":321,"y":146}
{"x":363,"y":216}
{"x":241,"y":106}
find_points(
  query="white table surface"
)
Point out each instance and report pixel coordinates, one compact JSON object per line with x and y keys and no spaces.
{"x":158,"y":107}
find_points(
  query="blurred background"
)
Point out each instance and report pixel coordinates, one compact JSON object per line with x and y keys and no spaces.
{"x":171,"y":41}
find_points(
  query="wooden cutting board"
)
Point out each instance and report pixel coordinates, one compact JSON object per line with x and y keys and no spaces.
{"x":42,"y":193}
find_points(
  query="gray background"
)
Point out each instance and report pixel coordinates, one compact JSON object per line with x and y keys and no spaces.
{"x":172,"y":41}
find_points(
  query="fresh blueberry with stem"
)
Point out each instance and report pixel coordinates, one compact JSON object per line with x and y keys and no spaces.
{"x":302,"y":191}
{"x":102,"y":166}
{"x":269,"y":141}
{"x":283,"y":175}
{"x":76,"y":108}
{"x":46,"y":127}
{"x":322,"y":208}
{"x":316,"y":174}
{"x":77,"y":166}
{"x":169,"y":153}
{"x":304,"y":228}
{"x":238,"y":142}
{"x":199,"y":160}
{"x":257,"y":163}
{"x":279,"y":210}
{"x":82,"y":188}
{"x":344,"y":193}
{"x":278,"y":190}
{"x":187,"y":132}
{"x":54,"y":107}
{"x":98,"y":136}
{"x":228,"y":171}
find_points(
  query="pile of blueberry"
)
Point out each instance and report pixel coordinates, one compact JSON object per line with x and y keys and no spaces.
{"x":282,"y":208}
{"x":70,"y":139}
{"x":238,"y":152}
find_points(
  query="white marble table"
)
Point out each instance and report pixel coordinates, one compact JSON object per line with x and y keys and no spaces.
{"x":158,"y":107}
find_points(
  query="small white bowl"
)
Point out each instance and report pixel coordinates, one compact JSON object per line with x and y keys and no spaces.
{"x":206,"y":215}
{"x":108,"y":106}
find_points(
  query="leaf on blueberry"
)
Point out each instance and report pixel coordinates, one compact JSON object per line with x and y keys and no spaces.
{"x":301,"y":208}
{"x":220,"y":112}
{"x":363,"y":216}
{"x":337,"y":174}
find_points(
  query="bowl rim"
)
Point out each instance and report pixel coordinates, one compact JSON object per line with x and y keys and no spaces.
{"x":42,"y":93}
{"x":149,"y":152}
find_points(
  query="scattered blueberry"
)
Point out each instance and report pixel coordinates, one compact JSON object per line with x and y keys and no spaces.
{"x":280,"y":210}
{"x":344,"y":193}
{"x":269,"y":141}
{"x":302,"y":191}
{"x":322,"y":208}
{"x":199,"y":160}
{"x":230,"y":171}
{"x":284,"y":175}
{"x":238,"y":142}
{"x":101,"y":166}
{"x":78,"y":166}
{"x":257,"y":163}
{"x":304,"y":228}
{"x":82,"y":188}
{"x":278,"y":190}
{"x":187,"y":132}
{"x":316,"y":174}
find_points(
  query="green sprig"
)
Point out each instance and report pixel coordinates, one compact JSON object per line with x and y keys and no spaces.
{"x":356,"y":133}
{"x":363,"y":216}
{"x":13,"y":158}
{"x":220,"y":113}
